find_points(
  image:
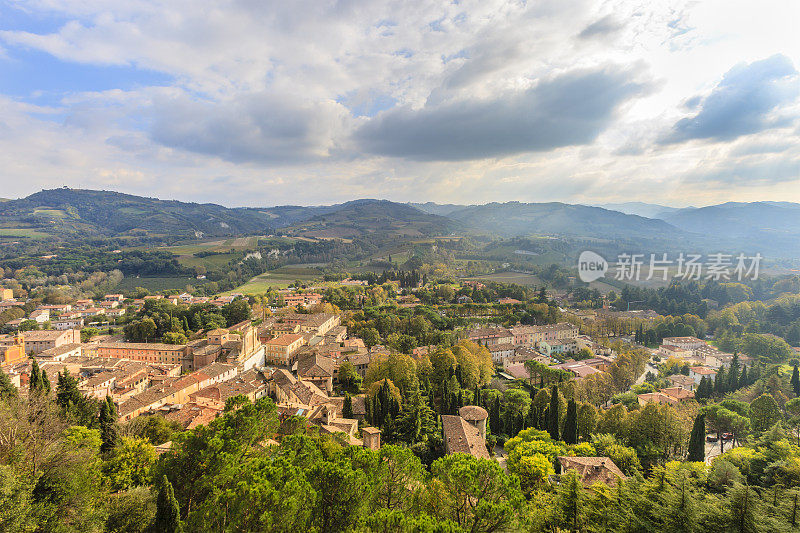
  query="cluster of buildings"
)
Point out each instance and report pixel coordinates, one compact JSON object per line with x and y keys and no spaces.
{"x":561,"y":338}
{"x":704,"y":360}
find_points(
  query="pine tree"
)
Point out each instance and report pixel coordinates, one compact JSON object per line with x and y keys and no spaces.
{"x":108,"y":425}
{"x":67,"y":393}
{"x":347,"y":407}
{"x":168,"y":513}
{"x":571,"y":424}
{"x":552,"y":422}
{"x":697,"y":444}
{"x":796,"y":381}
{"x":7,"y":389}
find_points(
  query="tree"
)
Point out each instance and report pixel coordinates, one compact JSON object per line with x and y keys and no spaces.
{"x":168,"y":514}
{"x":475,"y":493}
{"x":764,"y":413}
{"x":571,"y":424}
{"x":8,"y":391}
{"x":569,"y":501}
{"x":349,"y":377}
{"x":795,"y":381}
{"x":129,"y":465}
{"x":339,"y":495}
{"x":108,"y":425}
{"x":552,"y":416}
{"x":697,"y":441}
{"x":347,"y":406}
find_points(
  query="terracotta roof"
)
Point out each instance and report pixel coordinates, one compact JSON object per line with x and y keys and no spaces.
{"x":593,"y":469}
{"x":473,"y":413}
{"x":461,"y":437}
{"x":285,"y":340}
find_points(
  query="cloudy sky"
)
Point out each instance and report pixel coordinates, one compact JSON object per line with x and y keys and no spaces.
{"x":254,"y":102}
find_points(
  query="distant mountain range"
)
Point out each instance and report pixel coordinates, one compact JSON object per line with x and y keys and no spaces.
{"x":641,"y":208}
{"x":770,"y":227}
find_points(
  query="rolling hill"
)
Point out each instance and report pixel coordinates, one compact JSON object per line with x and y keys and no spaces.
{"x":772,"y":227}
{"x":87,"y":212}
{"x":365,"y":217}
{"x":642,"y":209}
{"x":515,"y":219}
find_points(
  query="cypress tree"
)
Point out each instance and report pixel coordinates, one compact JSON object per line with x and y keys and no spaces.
{"x":733,"y":373}
{"x":697,"y":444}
{"x":552,"y":418}
{"x":168,"y":513}
{"x":796,"y":381}
{"x":744,"y":379}
{"x":108,"y":425}
{"x":35,"y":378}
{"x":347,"y":408}
{"x":571,"y":424}
{"x":45,"y":383}
{"x":720,"y":383}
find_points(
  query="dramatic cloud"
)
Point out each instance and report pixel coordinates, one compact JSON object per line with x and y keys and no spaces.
{"x":744,"y":102}
{"x":569,"y":109}
{"x":259,"y":102}
{"x":253,"y":128}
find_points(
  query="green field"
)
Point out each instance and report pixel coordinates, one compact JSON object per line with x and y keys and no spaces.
{"x":278,"y":279}
{"x":156,"y":283}
{"x":26,"y":233}
{"x":53,"y":213}
{"x":210,"y":262}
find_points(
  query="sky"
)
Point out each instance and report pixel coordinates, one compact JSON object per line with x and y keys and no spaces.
{"x":260,"y":103}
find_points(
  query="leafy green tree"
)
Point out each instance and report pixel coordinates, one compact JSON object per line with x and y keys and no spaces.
{"x":399,"y":477}
{"x":697,"y":441}
{"x":571,"y":424}
{"x":168,"y":513}
{"x":764,"y":413}
{"x":130,"y":464}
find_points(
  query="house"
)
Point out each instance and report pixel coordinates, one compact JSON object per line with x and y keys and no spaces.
{"x":62,"y":352}
{"x":466,"y":432}
{"x":491,"y":336}
{"x":316,"y":368}
{"x":39,"y":341}
{"x":6,"y":294}
{"x":280,"y":350}
{"x":500,"y":352}
{"x":669,"y":350}
{"x":698,"y":372}
{"x":62,"y":324}
{"x":657,"y":398}
{"x":684,"y":382}
{"x":143,"y":352}
{"x":113,"y":298}
{"x":593,"y":470}
{"x":686,"y":343}
{"x":678,"y":393}
{"x":40,"y":316}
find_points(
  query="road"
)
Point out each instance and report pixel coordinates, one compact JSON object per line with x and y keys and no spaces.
{"x":647,"y":368}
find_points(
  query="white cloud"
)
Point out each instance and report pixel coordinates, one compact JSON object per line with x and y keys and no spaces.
{"x":257,"y":108}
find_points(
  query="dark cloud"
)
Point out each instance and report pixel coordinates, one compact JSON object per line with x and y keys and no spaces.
{"x":261,"y":128}
{"x":742,"y":103}
{"x":570,"y":109}
{"x":601,"y":28}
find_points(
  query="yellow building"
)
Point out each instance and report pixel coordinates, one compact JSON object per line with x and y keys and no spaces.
{"x":12,"y":351}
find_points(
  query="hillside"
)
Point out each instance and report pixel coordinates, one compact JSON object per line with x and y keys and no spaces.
{"x":437,"y":209}
{"x":642,"y":209}
{"x":87,"y":212}
{"x":774,"y":227}
{"x":365,"y":217}
{"x":515,"y":219}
